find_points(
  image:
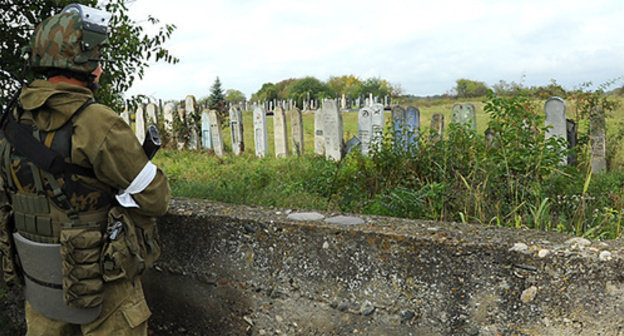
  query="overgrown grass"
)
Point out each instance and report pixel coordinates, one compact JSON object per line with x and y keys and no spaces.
{"x":515,"y":180}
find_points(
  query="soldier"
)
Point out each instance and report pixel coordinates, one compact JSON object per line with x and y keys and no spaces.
{"x":77,"y":224}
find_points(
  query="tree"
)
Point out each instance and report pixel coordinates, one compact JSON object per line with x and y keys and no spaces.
{"x":129,"y":51}
{"x":267,"y":92}
{"x":318,"y":90}
{"x":347,"y":85}
{"x":234,"y":96}
{"x":374,"y":85}
{"x":467,"y":88}
{"x":216,"y":101}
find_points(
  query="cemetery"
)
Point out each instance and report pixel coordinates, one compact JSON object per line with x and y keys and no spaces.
{"x":243,"y":269}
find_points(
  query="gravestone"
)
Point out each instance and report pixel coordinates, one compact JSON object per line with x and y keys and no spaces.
{"x":437,"y":125}
{"x":332,"y":128}
{"x":365,"y":129}
{"x":139,"y":124}
{"x":151,"y":114}
{"x":191,"y":112}
{"x":168,"y":118}
{"x":319,"y":139}
{"x":571,"y":134}
{"x":215,"y":132}
{"x":352,"y":143}
{"x":206,"y":134}
{"x":296,"y":125}
{"x":554,"y":109}
{"x":464,"y":114}
{"x":412,"y":125}
{"x":398,"y":123}
{"x":125,"y":115}
{"x":260,"y":132}
{"x":236,"y":129}
{"x":598,"y":140}
{"x":343,"y":102}
{"x":280,"y":134}
{"x":378,"y":119}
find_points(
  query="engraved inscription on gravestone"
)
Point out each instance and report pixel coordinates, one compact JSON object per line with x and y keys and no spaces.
{"x":260,"y":132}
{"x":280,"y":132}
{"x":377,"y":121}
{"x":464,"y":114}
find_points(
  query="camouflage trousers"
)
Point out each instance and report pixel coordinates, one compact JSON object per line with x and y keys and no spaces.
{"x":124,"y":312}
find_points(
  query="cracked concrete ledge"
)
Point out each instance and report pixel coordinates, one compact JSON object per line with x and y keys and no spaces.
{"x":239,"y":270}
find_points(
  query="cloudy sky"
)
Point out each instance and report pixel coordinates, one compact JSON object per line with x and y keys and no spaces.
{"x":424,"y":46}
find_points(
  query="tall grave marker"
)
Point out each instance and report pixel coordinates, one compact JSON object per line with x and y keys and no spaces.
{"x":139,"y":120}
{"x":236,"y":128}
{"x":598,"y":140}
{"x":296,"y":125}
{"x":554,"y":109}
{"x":377,"y":121}
{"x":206,"y":133}
{"x":464,"y":114}
{"x":215,"y":132}
{"x":333,"y":132}
{"x":280,"y":132}
{"x":365,"y":129}
{"x":260,"y":131}
{"x":437,"y":125}
{"x":319,"y":139}
{"x":191,"y":111}
{"x":152,"y":114}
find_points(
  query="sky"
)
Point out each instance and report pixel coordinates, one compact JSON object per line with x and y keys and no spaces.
{"x":423,"y":46}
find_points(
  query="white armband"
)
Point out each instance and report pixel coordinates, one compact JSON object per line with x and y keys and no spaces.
{"x":140,"y":182}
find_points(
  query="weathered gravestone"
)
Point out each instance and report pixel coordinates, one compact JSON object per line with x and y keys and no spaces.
{"x":206,"y":134}
{"x":556,"y":124}
{"x":437,"y":125}
{"x":572,"y":137}
{"x":464,"y":114}
{"x":598,"y":140}
{"x":412,"y":121}
{"x":215,"y":131}
{"x":332,"y":128}
{"x":398,"y":123}
{"x":151,"y":114}
{"x":168,"y":118}
{"x":236,"y":128}
{"x":260,"y":132}
{"x":319,"y":139}
{"x":296,"y":125}
{"x":139,"y":123}
{"x":280,"y":134}
{"x":378,"y":125}
{"x":125,"y":115}
{"x":343,"y":102}
{"x":406,"y":126}
{"x":191,"y":112}
{"x":365,"y":129}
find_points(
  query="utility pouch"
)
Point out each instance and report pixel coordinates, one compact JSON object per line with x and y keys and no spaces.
{"x":10,"y":271}
{"x":82,"y":278}
{"x":121,"y":255}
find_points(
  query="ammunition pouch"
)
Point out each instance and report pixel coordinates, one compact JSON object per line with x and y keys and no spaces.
{"x":10,"y":269}
{"x":132,"y":251}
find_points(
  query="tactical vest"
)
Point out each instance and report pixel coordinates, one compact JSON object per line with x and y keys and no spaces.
{"x":59,"y":221}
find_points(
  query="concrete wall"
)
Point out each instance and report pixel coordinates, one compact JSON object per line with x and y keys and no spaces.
{"x":237,"y":270}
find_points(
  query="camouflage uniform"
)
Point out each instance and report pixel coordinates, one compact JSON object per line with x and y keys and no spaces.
{"x":102,"y":142}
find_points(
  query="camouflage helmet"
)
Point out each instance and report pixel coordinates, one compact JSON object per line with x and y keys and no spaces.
{"x":70,"y":40}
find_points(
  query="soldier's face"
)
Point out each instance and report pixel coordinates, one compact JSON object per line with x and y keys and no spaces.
{"x":97,"y":73}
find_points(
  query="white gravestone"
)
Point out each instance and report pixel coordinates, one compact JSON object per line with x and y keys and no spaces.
{"x":215,"y":132}
{"x":598,"y":140}
{"x":168,"y":117}
{"x":556,"y":124}
{"x":319,"y":139}
{"x":377,"y":121}
{"x":464,"y":114}
{"x":296,"y":125}
{"x":260,"y":132}
{"x":365,"y":129}
{"x":151,"y":114}
{"x":333,"y":132}
{"x":139,"y":124}
{"x":190,"y":107}
{"x":206,"y":134}
{"x":280,"y":132}
{"x":437,"y":125}
{"x":236,"y":128}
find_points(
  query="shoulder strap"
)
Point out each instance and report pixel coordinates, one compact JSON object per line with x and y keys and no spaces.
{"x":43,"y":157}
